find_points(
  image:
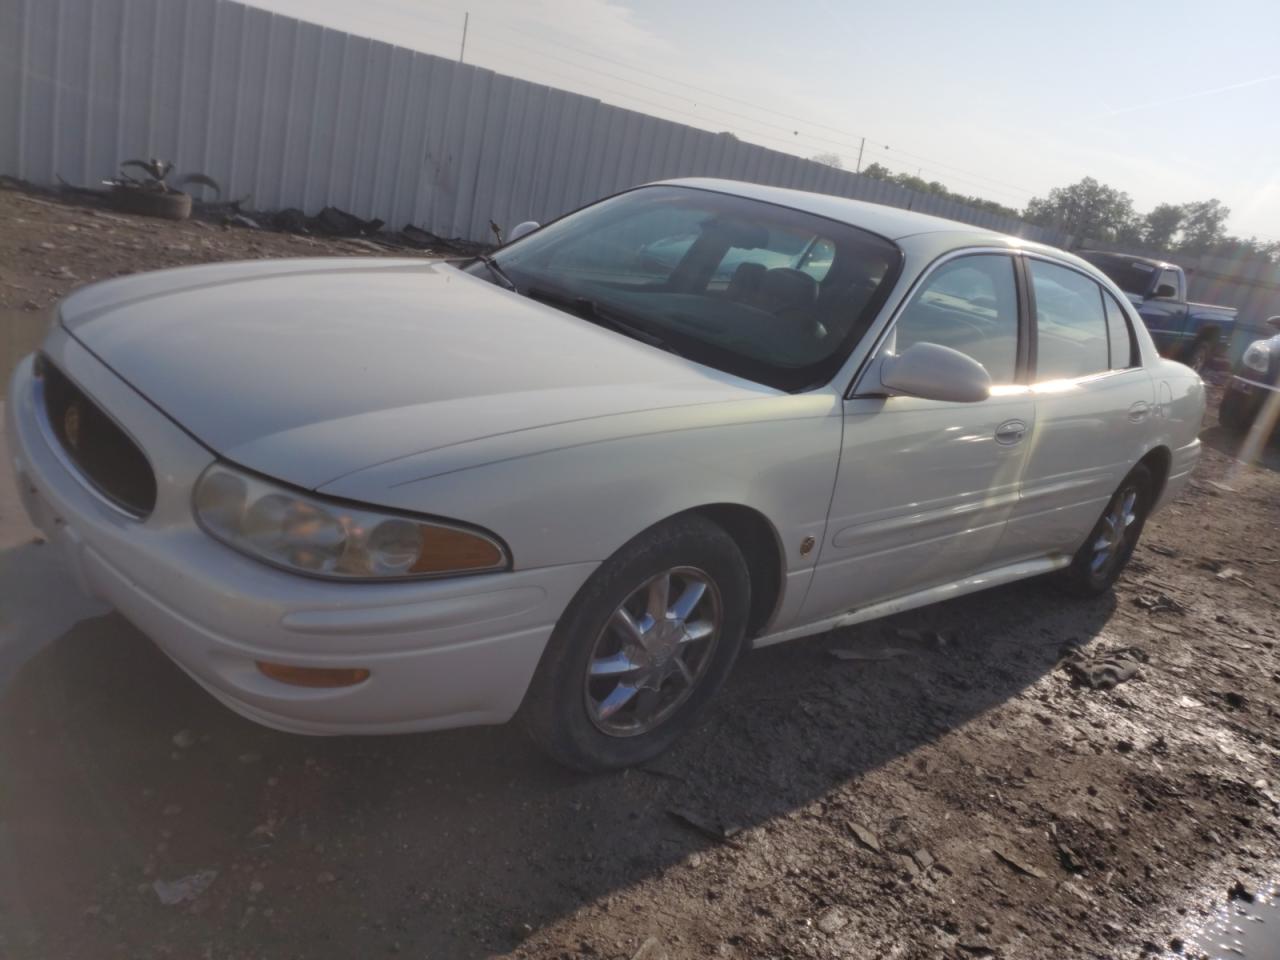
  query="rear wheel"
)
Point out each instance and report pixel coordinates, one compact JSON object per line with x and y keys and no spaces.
{"x":642,"y":647}
{"x":1105,"y":553}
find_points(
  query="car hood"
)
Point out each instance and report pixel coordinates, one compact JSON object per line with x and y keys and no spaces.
{"x":307,"y":370}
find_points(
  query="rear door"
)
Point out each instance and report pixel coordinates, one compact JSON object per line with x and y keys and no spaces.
{"x":1093,"y":403}
{"x":924,"y":486}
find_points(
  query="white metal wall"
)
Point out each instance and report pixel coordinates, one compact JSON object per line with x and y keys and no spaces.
{"x":299,"y":115}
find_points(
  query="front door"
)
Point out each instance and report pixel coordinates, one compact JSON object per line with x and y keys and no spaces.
{"x":925,"y":487}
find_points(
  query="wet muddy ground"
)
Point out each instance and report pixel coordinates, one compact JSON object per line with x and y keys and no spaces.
{"x":954,"y":792}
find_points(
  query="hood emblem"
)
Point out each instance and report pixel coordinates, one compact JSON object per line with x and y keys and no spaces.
{"x":71,"y":426}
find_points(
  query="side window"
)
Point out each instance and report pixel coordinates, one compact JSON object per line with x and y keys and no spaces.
{"x":1124,"y":351}
{"x":969,"y":304}
{"x":1071,"y":328}
{"x":1168,"y":278}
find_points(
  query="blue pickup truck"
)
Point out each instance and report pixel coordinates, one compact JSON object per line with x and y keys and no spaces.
{"x":1193,"y":333}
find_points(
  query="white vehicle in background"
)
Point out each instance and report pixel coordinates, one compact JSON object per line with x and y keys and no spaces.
{"x":372,"y":496}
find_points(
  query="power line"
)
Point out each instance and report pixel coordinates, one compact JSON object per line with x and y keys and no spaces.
{"x":1007,"y":190}
{"x":614,"y":61}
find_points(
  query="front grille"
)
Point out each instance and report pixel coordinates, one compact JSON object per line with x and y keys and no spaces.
{"x":103,"y":453}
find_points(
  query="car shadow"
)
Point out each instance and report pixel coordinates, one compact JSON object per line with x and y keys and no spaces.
{"x":118,"y":770}
{"x":1240,"y":446}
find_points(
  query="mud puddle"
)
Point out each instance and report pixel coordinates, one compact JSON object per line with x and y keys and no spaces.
{"x":1240,"y":929}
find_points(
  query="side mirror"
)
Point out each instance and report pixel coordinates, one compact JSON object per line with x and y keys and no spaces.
{"x":1274,"y":322}
{"x":934,"y":372}
{"x":520,"y":229}
{"x":1166,"y":291}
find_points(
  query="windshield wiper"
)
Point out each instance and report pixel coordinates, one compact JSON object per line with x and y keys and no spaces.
{"x":590,"y":310}
{"x":498,"y":272}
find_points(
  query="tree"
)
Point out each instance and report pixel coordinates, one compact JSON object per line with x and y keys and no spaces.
{"x":1204,"y":226}
{"x":879,"y":171}
{"x":1087,"y":209}
{"x":1161,"y":225}
{"x":828,"y":160}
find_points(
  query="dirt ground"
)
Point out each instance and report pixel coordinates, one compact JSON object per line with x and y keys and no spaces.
{"x":949,"y":797}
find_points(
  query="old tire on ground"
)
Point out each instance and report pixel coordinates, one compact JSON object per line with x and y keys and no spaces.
{"x":1232,"y":413}
{"x":168,"y":205}
{"x":641,"y":648}
{"x":1106,"y":551}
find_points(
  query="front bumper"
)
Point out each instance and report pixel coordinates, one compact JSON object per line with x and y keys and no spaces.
{"x":440,"y":653}
{"x":1246,"y":398}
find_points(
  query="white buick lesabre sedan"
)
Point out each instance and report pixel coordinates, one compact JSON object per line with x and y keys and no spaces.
{"x":574,"y":480}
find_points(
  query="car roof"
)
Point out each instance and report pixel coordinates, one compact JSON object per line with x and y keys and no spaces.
{"x":932,"y":235}
{"x":891,"y":223}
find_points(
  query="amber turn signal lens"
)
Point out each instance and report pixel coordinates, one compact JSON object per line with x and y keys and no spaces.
{"x":447,"y":550}
{"x":313,"y":676}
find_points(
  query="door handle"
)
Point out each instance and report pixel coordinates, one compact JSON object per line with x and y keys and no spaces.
{"x":1011,"y":432}
{"x":1138,"y":412}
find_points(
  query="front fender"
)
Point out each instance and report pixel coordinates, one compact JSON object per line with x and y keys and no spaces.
{"x":579,"y":502}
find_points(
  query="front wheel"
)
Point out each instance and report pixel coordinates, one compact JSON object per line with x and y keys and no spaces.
{"x":642,"y":647}
{"x":1105,"y":553}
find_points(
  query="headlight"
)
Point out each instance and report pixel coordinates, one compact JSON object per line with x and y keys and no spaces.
{"x":1257,"y":356}
{"x":333,"y":539}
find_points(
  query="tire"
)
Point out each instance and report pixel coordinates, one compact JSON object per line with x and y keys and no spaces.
{"x":1197,"y":356}
{"x":608,"y":629}
{"x":167,"y":205}
{"x":1092,"y":572}
{"x":1232,"y":413}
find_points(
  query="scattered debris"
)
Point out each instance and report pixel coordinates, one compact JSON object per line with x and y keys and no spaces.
{"x":866,"y":837}
{"x":710,"y":828}
{"x":173,"y":892}
{"x":339,"y":223}
{"x":923,"y":859}
{"x":831,"y":920}
{"x":1238,"y":891}
{"x":1017,"y":864}
{"x":1069,"y":859}
{"x":1105,"y":669}
{"x":1159,"y":603}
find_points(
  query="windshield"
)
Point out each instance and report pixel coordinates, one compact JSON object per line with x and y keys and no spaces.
{"x":1131,"y":276}
{"x":761,"y":291}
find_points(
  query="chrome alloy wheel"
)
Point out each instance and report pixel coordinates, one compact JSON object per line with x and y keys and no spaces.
{"x":1115,"y":530}
{"x":652,"y":652}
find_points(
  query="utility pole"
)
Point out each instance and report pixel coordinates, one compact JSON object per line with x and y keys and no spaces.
{"x":463,"y":51}
{"x":862,"y":146}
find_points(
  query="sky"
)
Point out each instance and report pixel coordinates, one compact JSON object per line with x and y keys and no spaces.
{"x":1169,"y":101}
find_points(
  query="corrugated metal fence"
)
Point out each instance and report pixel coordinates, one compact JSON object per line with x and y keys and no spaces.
{"x":298,"y":115}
